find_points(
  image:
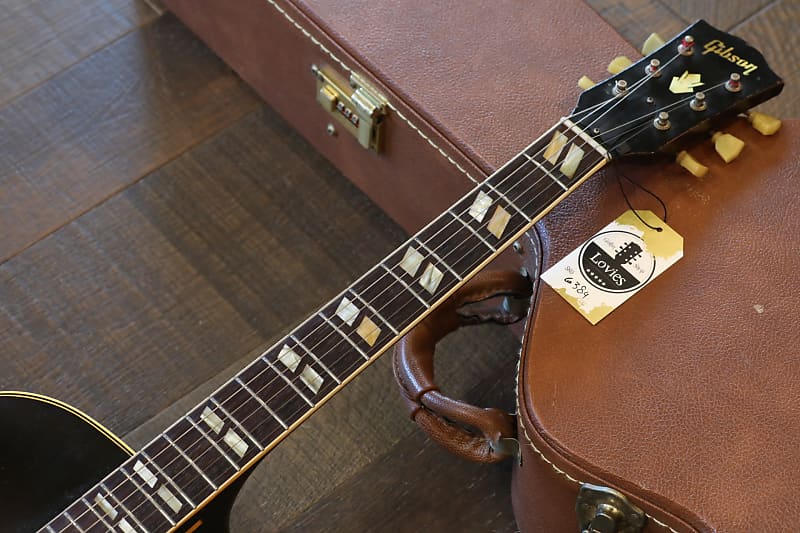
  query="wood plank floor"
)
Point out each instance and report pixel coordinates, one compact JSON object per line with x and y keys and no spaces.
{"x":159,"y":225}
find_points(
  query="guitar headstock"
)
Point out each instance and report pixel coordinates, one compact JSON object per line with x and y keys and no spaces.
{"x":691,"y":84}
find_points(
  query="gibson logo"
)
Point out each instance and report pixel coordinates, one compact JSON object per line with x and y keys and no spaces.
{"x":718,"y":47}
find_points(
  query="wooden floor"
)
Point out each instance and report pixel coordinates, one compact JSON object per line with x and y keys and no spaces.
{"x":156,"y":220}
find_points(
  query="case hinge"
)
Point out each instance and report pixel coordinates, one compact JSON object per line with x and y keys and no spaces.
{"x":355,"y":106}
{"x":605,"y":510}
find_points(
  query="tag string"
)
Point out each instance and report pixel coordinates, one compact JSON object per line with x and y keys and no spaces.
{"x":620,"y":174}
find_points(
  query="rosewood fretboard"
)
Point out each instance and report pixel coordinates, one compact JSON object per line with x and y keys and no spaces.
{"x":224,"y":436}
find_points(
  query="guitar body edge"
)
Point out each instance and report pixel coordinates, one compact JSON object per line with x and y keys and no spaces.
{"x":52,"y":453}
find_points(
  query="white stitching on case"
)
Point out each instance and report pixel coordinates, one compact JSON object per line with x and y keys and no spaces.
{"x":537,"y":450}
{"x":392,"y":107}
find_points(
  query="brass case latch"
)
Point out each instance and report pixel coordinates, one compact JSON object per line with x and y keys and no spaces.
{"x":355,"y":106}
{"x":605,"y":510}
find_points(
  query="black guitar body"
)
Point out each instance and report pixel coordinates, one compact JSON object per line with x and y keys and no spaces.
{"x":51,"y":453}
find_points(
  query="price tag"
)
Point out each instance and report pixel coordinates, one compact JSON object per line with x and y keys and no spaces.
{"x":614,"y":264}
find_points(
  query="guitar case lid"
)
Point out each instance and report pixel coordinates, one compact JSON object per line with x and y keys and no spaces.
{"x":685,"y":398}
{"x":468,"y":84}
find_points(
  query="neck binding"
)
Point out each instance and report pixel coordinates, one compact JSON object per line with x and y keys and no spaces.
{"x":190,"y":463}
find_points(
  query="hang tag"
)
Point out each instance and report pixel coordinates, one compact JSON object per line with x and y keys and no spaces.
{"x":616,"y":263}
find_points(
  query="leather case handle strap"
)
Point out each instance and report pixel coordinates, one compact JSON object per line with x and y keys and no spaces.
{"x":463,"y":429}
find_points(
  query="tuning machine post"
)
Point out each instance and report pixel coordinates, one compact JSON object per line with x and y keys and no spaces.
{"x":698,"y":101}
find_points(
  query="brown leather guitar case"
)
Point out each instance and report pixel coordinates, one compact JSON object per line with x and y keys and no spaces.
{"x":466,"y":84}
{"x":685,"y":399}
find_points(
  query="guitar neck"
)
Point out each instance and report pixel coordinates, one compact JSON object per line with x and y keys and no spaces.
{"x":224,"y":436}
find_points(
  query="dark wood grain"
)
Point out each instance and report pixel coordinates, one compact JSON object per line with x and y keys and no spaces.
{"x":635,"y":20}
{"x":39,"y":38}
{"x":160,"y":228}
{"x":418,"y":486}
{"x":166,"y":284}
{"x":724,"y":15}
{"x":107,"y":121}
{"x":774,"y":31}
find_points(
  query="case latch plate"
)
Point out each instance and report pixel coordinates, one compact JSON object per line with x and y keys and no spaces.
{"x":605,"y":510}
{"x":355,"y":106}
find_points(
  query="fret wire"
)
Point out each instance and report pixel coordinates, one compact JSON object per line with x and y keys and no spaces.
{"x":471,"y":229}
{"x":393,"y":275}
{"x":344,"y":336}
{"x":503,"y":196}
{"x":167,"y":478}
{"x":315,"y":358}
{"x":385,"y":268}
{"x":399,"y":306}
{"x":191,"y":462}
{"x":263,"y":404}
{"x":73,"y":522}
{"x":97,"y":514}
{"x":236,"y":423}
{"x":147,"y":495}
{"x":50,"y":528}
{"x":374,"y":312}
{"x":406,"y":285}
{"x":425,"y":303}
{"x":328,"y":321}
{"x":535,"y":162}
{"x":254,"y":418}
{"x":287,"y":380}
{"x":422,"y":244}
{"x":266,"y":378}
{"x":213,"y":443}
{"x":124,"y":508}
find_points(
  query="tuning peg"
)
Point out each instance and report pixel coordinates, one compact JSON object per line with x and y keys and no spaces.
{"x":651,"y":44}
{"x":763,"y":123}
{"x":727,"y":146}
{"x":691,"y":164}
{"x":618,"y":64}
{"x":585,"y":83}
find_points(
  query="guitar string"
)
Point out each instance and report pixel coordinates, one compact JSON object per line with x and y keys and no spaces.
{"x":359,"y":364}
{"x":507,"y":177}
{"x":154,"y":512}
{"x":157,"y":512}
{"x":511,"y":175}
{"x":313,"y":331}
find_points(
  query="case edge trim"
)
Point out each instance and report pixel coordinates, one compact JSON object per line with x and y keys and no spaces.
{"x":529,"y":440}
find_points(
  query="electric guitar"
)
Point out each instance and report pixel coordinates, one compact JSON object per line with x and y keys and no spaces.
{"x":83,"y":479}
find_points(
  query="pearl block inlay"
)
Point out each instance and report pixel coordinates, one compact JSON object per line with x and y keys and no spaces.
{"x":105,"y":506}
{"x":368,"y":331}
{"x":347,"y":311}
{"x":311,"y":378}
{"x":125,"y":526}
{"x":169,"y":498}
{"x":497,"y":225}
{"x":553,"y":150}
{"x":571,"y":160}
{"x":480,"y":206}
{"x":411,"y":261}
{"x":146,"y":474}
{"x":236,"y":442}
{"x":289,"y":358}
{"x":212,"y":420}
{"x":431,"y":278}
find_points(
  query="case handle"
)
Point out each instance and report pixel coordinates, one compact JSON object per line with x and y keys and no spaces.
{"x":463,"y":429}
